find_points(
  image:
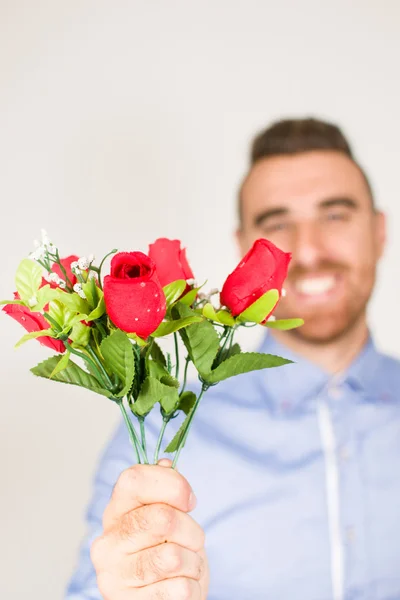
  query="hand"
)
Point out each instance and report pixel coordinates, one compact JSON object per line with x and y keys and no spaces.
{"x":151,"y":549}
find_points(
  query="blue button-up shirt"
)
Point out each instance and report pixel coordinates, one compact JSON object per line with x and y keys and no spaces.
{"x":297,"y":476}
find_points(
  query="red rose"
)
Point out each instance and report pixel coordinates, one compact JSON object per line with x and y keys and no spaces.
{"x":133,"y":294}
{"x":170,"y":259}
{"x":33,"y":321}
{"x":66,"y":263}
{"x":263,"y":268}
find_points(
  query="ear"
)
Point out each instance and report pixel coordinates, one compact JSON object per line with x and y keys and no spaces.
{"x":380,"y":233}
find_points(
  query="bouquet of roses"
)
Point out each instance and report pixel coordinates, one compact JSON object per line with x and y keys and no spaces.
{"x":108,"y":332}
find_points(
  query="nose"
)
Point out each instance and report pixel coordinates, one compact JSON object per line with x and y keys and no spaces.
{"x":307,"y":248}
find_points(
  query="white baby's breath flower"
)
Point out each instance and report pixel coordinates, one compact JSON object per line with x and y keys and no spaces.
{"x":45,"y":238}
{"x":32,"y":301}
{"x":91,"y":275}
{"x":78,"y":289}
{"x":83,"y":263}
{"x":53,"y":278}
{"x":62,"y":284}
{"x":75,"y":268}
{"x":38,"y":254}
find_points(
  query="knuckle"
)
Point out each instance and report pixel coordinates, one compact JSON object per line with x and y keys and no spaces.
{"x":184,"y":589}
{"x":106,"y":585}
{"x":181,"y":489}
{"x":130,"y":478}
{"x":163,"y":518}
{"x":98,"y":551}
{"x":169,"y":559}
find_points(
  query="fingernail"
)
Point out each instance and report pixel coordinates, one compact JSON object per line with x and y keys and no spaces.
{"x":192,"y":501}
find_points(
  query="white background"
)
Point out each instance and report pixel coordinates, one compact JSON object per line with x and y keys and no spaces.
{"x":121,"y":121}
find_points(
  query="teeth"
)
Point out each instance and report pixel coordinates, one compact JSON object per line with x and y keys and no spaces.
{"x":313,"y":286}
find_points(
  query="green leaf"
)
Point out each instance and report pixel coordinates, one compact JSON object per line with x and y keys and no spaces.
{"x":170,"y":381}
{"x":258,"y":311}
{"x":61,"y":365}
{"x":74,"y":302}
{"x":61,"y":314}
{"x":228,"y":352}
{"x":284,"y":324}
{"x":222,"y":316}
{"x":117,"y":352}
{"x":186,"y":401}
{"x":28,"y":279}
{"x":153,"y":391}
{"x":174,"y":444}
{"x":92,"y":293}
{"x":21,"y":302}
{"x":71,"y":374}
{"x":98,"y":311}
{"x":44,"y":295}
{"x":173,"y":291}
{"x":33,"y":335}
{"x":171,"y":326}
{"x":225,"y":318}
{"x":201,"y":341}
{"x":80,"y":334}
{"x":244,"y":363}
{"x":140,"y":341}
{"x":191,"y":296}
{"x":157,"y":354}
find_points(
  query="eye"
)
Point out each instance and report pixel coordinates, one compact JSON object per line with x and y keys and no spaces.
{"x":337,"y":216}
{"x":273,"y":227}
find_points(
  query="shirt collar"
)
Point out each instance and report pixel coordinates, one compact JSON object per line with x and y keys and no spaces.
{"x":296,"y":383}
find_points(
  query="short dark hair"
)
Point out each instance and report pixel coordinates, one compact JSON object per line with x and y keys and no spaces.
{"x":295,"y":136}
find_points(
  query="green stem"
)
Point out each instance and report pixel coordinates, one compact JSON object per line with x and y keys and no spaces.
{"x":132,"y":433}
{"x":189,"y":423}
{"x":143,"y":438}
{"x":185,"y":375}
{"x":64,"y":272}
{"x":160,"y":439}
{"x":224,"y":339}
{"x":176,"y":356}
{"x":100,"y":365}
{"x":101,"y":329}
{"x":88,"y":360}
{"x":101,"y":265}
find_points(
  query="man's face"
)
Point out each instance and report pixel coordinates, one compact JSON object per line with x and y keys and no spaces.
{"x":317,"y":206}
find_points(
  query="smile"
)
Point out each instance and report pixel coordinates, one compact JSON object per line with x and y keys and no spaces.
{"x":315,"y":286}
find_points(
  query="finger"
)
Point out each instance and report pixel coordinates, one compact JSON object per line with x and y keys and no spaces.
{"x":165,"y":462}
{"x":159,"y":563}
{"x":155,"y":524}
{"x":148,"y":484}
{"x":177,"y":588}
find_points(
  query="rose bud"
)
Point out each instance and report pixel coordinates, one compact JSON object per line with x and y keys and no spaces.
{"x":133,"y":295}
{"x":33,"y":321}
{"x":170,"y":260}
{"x":263,"y":268}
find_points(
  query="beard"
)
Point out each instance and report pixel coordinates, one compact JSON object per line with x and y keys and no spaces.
{"x":326,"y":323}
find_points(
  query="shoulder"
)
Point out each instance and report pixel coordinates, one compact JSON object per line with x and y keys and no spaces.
{"x":387,"y":373}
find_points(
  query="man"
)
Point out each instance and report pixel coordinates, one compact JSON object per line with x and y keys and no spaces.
{"x":296,"y":469}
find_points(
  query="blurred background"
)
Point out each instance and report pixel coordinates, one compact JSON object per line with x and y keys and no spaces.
{"x":125,"y":120}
